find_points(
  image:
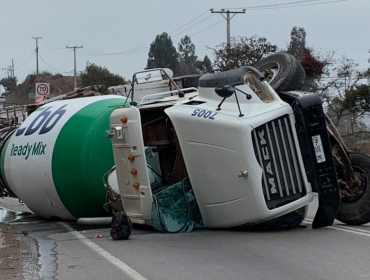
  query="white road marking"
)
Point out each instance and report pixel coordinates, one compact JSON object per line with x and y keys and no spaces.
{"x":345,"y":229}
{"x":112,"y":259}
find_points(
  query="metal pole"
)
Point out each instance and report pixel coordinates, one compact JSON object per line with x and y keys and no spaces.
{"x":228,"y":28}
{"x":8,"y":70}
{"x":37,"y":57}
{"x":75,"y":71}
{"x":228,"y":19}
{"x":37,"y":54}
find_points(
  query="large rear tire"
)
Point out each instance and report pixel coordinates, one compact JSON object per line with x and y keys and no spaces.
{"x":357,"y":212}
{"x":283,"y":71}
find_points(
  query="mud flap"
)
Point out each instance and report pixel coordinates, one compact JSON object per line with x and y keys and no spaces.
{"x":316,"y":153}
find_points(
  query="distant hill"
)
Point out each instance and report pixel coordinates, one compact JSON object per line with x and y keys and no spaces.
{"x":59,"y":84}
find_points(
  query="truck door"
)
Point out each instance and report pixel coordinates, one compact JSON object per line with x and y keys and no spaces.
{"x":131,"y":164}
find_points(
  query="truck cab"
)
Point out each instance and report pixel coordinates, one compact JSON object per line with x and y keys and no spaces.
{"x":234,"y":138}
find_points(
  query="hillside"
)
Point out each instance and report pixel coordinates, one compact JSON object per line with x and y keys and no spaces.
{"x":59,"y":84}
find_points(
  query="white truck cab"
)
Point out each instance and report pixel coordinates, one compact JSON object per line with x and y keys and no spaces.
{"x":234,"y":138}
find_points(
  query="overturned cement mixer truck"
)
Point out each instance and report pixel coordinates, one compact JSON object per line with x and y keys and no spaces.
{"x":244,"y":147}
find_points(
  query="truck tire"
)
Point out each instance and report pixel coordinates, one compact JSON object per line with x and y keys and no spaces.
{"x":357,"y":212}
{"x":283,"y":71}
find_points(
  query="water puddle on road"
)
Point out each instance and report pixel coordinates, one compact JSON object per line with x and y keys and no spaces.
{"x":7,"y":215}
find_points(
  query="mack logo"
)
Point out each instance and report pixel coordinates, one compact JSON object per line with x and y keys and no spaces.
{"x":266,"y":158}
{"x":38,"y":148}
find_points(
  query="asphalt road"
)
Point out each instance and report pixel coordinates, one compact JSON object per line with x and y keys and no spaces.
{"x":70,"y":251}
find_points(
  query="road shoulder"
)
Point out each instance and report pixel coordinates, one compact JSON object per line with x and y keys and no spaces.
{"x":18,"y":252}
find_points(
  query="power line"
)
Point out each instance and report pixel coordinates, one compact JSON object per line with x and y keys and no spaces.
{"x":144,"y":48}
{"x":192,"y":26}
{"x":191,"y":21}
{"x":206,"y":28}
{"x":26,"y":60}
{"x":301,"y":3}
{"x":53,"y":68}
{"x":141,"y":48}
{"x":25,"y":65}
{"x":24,"y":52}
{"x":51,"y":45}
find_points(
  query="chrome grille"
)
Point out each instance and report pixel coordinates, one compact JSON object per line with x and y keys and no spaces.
{"x":277,"y":155}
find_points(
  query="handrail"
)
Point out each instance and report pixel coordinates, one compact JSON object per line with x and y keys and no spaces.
{"x":165,"y":94}
{"x":163,"y":72}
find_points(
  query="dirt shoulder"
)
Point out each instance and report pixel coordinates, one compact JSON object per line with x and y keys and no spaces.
{"x":18,"y":253}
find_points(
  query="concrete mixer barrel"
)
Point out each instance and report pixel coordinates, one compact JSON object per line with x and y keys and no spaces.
{"x":54,"y":162}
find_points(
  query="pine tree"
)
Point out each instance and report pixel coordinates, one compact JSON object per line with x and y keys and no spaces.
{"x":187,"y":57}
{"x":297,"y":45}
{"x":163,"y":54}
{"x":204,"y":66}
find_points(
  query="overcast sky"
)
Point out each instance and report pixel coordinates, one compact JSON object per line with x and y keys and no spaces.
{"x":117,"y":34}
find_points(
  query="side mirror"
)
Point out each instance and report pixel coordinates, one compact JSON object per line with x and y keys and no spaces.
{"x":225,"y":91}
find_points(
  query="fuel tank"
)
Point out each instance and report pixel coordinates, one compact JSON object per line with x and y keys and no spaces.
{"x":54,"y":162}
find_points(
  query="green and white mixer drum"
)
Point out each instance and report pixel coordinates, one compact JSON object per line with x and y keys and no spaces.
{"x":56,"y":159}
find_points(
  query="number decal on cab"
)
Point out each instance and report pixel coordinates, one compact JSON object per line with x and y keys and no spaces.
{"x":204,"y":114}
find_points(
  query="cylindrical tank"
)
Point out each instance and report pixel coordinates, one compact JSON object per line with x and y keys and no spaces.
{"x":56,"y":159}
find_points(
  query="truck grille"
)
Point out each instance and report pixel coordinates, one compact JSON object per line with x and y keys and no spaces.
{"x":277,"y":155}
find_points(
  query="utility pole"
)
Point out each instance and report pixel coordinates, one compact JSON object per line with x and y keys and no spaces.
{"x":9,"y":71}
{"x":37,"y":54}
{"x":75,"y":72}
{"x":12,"y":68}
{"x":227,"y":12}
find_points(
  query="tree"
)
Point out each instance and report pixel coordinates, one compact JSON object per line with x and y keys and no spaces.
{"x":313,"y":63}
{"x":9,"y":83}
{"x":242,"y":51}
{"x":339,"y":83}
{"x":97,"y":75}
{"x":347,"y":102}
{"x":162,"y":53}
{"x":317,"y":67}
{"x":187,"y":57}
{"x":343,"y":92}
{"x":204,"y":66}
{"x":297,"y":45}
{"x":313,"y":67}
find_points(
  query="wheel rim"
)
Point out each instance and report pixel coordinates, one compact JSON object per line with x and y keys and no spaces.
{"x":359,"y":191}
{"x":271,"y":72}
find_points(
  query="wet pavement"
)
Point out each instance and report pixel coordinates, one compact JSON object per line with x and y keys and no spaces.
{"x":27,"y":233}
{"x":71,"y":251}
